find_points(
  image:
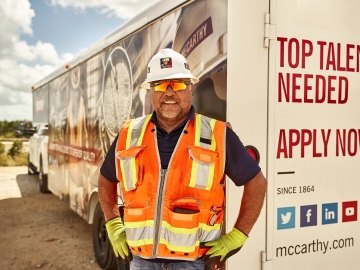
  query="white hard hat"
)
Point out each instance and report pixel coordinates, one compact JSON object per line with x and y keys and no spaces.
{"x":165,"y":65}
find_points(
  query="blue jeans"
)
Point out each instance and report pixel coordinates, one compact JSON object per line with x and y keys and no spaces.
{"x":140,"y":264}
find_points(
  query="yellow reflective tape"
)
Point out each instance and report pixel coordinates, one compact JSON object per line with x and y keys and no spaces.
{"x":141,"y":242}
{"x":197,"y":129}
{"x":147,"y":118}
{"x":194,"y":170}
{"x":209,"y":228}
{"x":178,"y":230}
{"x":165,"y":224}
{"x":128,"y":137}
{"x":213,"y":141}
{"x":133,"y":172}
{"x":139,"y":224}
{"x":179,"y":248}
{"x":123,"y":175}
{"x":202,"y":226}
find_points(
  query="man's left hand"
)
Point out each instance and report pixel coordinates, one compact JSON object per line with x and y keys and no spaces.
{"x":224,"y":247}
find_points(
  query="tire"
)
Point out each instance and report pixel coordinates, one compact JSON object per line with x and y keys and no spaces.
{"x":43,"y":179}
{"x":102,"y":247}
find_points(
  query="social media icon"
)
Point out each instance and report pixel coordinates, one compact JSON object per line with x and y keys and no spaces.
{"x":308,"y":215}
{"x":285,"y":218}
{"x":349,"y":211}
{"x":329,"y":213}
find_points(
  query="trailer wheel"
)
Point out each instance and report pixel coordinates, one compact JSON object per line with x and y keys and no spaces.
{"x":43,"y":180}
{"x":102,"y":247}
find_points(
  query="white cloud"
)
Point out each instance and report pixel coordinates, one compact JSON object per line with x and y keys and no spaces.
{"x":124,"y":9}
{"x":16,"y":15}
{"x":43,"y":52}
{"x":21,"y":64}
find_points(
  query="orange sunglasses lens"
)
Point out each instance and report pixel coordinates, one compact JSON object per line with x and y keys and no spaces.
{"x":161,"y":86}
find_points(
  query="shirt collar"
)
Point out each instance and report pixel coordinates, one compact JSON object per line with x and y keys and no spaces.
{"x":190,"y":117}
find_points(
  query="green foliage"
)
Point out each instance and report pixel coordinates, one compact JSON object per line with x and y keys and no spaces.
{"x":15,"y":155}
{"x":2,"y":148}
{"x":15,"y":149}
{"x":3,"y":160}
{"x":12,"y":129}
{"x":19,"y":160}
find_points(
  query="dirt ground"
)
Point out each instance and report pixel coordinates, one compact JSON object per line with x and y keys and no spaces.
{"x":39,"y":231}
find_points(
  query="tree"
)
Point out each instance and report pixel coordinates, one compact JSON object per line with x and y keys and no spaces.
{"x":15,"y":148}
{"x":2,"y":148}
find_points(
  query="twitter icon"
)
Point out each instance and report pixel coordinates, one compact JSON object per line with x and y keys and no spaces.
{"x":285,"y":218}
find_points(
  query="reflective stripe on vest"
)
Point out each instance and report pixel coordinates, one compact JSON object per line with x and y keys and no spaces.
{"x":134,"y":138}
{"x":141,"y":233}
{"x":203,"y":176}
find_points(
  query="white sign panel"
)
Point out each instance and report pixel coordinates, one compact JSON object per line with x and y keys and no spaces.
{"x":315,"y":135}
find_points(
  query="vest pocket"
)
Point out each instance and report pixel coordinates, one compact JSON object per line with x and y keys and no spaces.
{"x":203,"y":165}
{"x":180,"y":230}
{"x":139,"y":227}
{"x":131,"y":167}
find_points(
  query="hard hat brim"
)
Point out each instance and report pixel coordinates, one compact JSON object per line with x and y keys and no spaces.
{"x":146,"y":83}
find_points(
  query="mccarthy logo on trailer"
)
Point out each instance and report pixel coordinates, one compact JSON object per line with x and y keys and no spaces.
{"x":202,"y":32}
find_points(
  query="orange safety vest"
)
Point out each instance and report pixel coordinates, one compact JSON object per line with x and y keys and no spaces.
{"x":167,"y":214}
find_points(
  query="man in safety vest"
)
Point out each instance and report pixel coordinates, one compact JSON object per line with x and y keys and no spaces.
{"x":171,"y":166}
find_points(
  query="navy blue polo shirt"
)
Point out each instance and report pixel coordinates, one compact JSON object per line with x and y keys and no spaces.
{"x":239,"y":166}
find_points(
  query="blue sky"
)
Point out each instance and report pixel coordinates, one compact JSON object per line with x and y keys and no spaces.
{"x":71,"y":30}
{"x":40,"y":35}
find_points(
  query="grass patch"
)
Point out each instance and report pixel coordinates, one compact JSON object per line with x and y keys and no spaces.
{"x":19,"y":160}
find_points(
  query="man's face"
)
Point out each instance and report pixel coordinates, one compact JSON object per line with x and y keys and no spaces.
{"x":171,"y":105}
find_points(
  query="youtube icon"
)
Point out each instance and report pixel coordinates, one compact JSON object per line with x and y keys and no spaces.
{"x":349,"y":211}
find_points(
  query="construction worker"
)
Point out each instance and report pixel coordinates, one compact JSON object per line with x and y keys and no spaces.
{"x":171,"y":166}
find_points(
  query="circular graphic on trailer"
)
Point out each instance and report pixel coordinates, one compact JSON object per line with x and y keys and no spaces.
{"x":75,"y":77}
{"x":117,"y":91}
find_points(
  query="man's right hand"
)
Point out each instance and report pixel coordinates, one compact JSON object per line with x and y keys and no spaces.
{"x":116,"y":232}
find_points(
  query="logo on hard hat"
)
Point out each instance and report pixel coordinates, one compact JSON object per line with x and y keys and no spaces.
{"x":165,"y":62}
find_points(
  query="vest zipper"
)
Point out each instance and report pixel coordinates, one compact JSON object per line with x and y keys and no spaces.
{"x":160,"y":192}
{"x":158,"y":211}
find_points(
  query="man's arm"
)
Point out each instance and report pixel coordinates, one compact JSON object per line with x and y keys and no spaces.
{"x":108,"y":198}
{"x":114,"y":225}
{"x":251,"y":203}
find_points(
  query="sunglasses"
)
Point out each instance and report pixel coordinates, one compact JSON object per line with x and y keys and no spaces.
{"x":176,"y":85}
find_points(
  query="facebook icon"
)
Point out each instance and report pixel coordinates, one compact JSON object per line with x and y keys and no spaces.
{"x":308,"y":215}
